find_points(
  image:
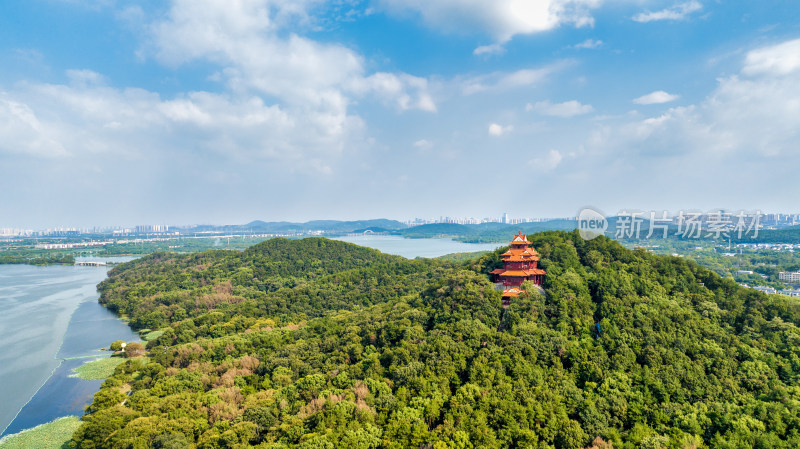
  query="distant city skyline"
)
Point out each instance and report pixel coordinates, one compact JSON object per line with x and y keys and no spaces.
{"x":766,"y":218}
{"x":189,"y":111}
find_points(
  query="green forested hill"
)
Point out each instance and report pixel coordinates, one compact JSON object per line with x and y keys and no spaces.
{"x":285,"y":280}
{"x":321,"y":344}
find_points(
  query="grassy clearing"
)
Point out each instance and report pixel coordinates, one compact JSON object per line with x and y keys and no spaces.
{"x":53,"y":435}
{"x":97,"y":369}
{"x":152,"y":335}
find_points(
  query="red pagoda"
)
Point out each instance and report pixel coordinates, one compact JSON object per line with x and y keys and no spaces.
{"x":519,"y":266}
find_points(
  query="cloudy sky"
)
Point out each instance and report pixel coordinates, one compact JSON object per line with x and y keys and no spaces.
{"x":225,"y":111}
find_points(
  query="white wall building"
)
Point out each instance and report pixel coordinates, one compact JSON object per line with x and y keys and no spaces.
{"x":789,"y":276}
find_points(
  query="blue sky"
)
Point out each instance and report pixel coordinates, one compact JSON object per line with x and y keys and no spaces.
{"x":185,"y":111}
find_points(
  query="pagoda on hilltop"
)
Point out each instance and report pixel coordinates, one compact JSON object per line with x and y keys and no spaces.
{"x":520,"y":265}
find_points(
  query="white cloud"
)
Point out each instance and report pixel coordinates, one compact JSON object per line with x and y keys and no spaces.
{"x":675,"y":12}
{"x":749,"y":124}
{"x":781,"y":59}
{"x":24,"y":133}
{"x":589,"y":44}
{"x":509,"y":80}
{"x":85,"y":77}
{"x":423,"y":144}
{"x":285,"y":97}
{"x":245,"y":39}
{"x":547,"y":162}
{"x":402,"y":90}
{"x":83,"y":121}
{"x":753,"y":116}
{"x":493,"y":49}
{"x":502,"y":19}
{"x":656,"y":97}
{"x":570,"y":108}
{"x":498,"y":130}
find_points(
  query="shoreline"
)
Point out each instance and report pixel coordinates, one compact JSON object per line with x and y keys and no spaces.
{"x":90,"y":326}
{"x":52,"y":373}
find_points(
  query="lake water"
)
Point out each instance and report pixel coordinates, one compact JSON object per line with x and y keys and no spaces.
{"x":411,"y":248}
{"x":50,"y":322}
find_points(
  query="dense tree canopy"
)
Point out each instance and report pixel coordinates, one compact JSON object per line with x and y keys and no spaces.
{"x":320,"y":344}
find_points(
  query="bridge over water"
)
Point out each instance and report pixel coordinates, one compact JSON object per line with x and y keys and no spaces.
{"x":91,"y":264}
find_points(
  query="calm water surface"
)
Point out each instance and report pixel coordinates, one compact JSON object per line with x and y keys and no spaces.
{"x":50,"y":322}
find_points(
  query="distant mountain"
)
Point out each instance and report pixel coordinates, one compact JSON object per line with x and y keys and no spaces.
{"x":492,"y":226}
{"x":350,"y":226}
{"x":262,"y":224}
{"x":438,"y":230}
{"x":375,"y":230}
{"x":259,"y":226}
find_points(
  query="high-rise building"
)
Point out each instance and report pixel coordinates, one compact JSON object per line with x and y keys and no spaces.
{"x":789,"y":276}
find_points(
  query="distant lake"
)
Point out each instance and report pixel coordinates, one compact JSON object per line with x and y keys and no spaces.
{"x":50,"y":322}
{"x":412,"y":248}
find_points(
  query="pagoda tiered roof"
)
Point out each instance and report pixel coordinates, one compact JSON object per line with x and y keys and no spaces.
{"x":519,"y":258}
{"x":520,"y":255}
{"x":522,"y":273}
{"x":519,"y":246}
{"x":519,"y":239}
{"x":519,"y":252}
